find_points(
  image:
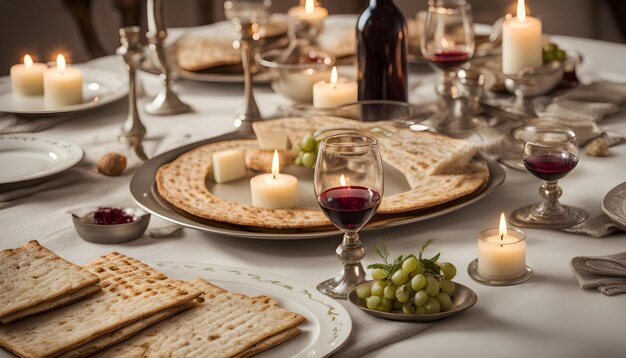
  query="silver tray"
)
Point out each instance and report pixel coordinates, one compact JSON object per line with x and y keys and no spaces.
{"x":145,"y":194}
{"x":614,"y":204}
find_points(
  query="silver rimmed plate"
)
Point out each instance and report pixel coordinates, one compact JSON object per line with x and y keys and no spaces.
{"x":462,"y":299}
{"x":614,"y":204}
{"x":144,"y":192}
{"x":327,"y":326}
{"x":27,"y":158}
{"x":100,"y":87}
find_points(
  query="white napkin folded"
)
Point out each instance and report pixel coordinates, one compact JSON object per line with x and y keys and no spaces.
{"x":13,"y":124}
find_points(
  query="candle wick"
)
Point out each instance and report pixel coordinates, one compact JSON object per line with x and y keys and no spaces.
{"x":501,"y":239}
{"x":274,"y":175}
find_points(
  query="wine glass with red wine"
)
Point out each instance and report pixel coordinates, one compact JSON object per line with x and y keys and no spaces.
{"x":448,"y":41}
{"x":349,"y":188}
{"x":550,"y":154}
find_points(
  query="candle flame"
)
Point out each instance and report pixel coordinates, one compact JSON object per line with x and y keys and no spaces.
{"x":28,"y":61}
{"x":502,"y":230}
{"x":342,"y":180}
{"x":444,"y":42}
{"x":61,"y":63}
{"x":521,"y":11}
{"x":334,"y":76}
{"x":275,"y":165}
{"x":309,"y":6}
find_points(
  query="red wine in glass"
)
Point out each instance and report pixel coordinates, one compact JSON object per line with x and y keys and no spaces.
{"x":552,"y":166}
{"x":349,"y":207}
{"x":448,"y":59}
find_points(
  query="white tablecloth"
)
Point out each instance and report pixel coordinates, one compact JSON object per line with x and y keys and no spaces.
{"x":549,"y":316}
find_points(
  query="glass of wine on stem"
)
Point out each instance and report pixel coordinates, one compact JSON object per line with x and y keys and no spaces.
{"x":448,"y":41}
{"x":550,"y":154}
{"x":349,"y":188}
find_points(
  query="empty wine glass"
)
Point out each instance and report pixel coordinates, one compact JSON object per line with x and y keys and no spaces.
{"x":348,"y":184}
{"x":248,"y":17}
{"x":448,"y":42}
{"x":550,"y":154}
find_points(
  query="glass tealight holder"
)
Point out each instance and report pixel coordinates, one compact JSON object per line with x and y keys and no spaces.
{"x":501,"y":259}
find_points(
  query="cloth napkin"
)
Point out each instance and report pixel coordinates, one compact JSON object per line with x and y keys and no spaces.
{"x":605,"y":273}
{"x":582,"y":107}
{"x":13,"y":124}
{"x":370,"y":333}
{"x":72,"y":176}
{"x":597,"y":227}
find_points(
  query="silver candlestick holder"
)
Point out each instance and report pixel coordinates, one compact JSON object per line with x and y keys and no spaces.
{"x":166,"y":102}
{"x":249,"y":112}
{"x":133,"y":131}
{"x":532,"y":82}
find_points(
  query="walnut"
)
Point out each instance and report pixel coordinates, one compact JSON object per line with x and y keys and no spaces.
{"x":111,"y":164}
{"x":598,"y":147}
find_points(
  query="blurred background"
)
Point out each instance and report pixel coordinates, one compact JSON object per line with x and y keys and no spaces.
{"x":85,"y":29}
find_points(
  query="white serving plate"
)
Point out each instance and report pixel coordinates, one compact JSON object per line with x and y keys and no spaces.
{"x":327,"y":326}
{"x":100,"y":87}
{"x":25,"y":158}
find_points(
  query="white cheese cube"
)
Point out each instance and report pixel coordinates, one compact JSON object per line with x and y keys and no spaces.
{"x":271,"y":140}
{"x":228,"y":165}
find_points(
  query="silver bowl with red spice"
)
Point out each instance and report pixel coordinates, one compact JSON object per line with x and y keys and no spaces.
{"x":110,"y":225}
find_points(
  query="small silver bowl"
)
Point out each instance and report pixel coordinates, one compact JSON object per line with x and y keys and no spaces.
{"x":532,"y":82}
{"x":110,"y":234}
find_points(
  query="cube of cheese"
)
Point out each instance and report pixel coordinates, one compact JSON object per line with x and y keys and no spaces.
{"x":271,"y":140}
{"x":228,"y":165}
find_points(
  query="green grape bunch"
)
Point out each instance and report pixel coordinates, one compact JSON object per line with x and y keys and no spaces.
{"x":410,"y":284}
{"x":552,"y":52}
{"x":306,"y":151}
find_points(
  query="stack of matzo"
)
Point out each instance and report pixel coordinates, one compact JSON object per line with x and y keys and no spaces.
{"x":438,"y":170}
{"x":133,"y":296}
{"x":226,"y":324}
{"x":34,"y":279}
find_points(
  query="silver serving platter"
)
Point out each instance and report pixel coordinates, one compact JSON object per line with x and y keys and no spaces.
{"x":145,"y":194}
{"x":614,"y":204}
{"x":462,"y":299}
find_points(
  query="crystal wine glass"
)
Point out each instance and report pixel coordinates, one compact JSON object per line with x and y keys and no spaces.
{"x":550,"y":154}
{"x":248,"y":17}
{"x":349,"y":188}
{"x":448,"y":42}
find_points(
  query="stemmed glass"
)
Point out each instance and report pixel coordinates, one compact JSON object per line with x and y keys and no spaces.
{"x":550,"y":154}
{"x":349,"y":188}
{"x":248,"y":17}
{"x":448,"y":41}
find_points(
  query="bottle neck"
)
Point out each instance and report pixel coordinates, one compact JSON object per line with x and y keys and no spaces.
{"x":376,"y":3}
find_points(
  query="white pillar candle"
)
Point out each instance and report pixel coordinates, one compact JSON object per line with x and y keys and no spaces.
{"x":521,"y":42}
{"x":501,"y":252}
{"x":27,"y":77}
{"x":335,"y":93}
{"x":315,"y":15}
{"x":275,"y":190}
{"x":63,"y":85}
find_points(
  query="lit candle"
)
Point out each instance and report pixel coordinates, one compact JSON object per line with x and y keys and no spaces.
{"x":521,"y":42}
{"x":63,"y":85}
{"x":501,"y":252}
{"x":310,"y":13}
{"x":27,"y":77}
{"x":275,"y":190}
{"x":336,"y":93}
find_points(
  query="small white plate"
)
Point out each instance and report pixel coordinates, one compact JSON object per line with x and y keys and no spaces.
{"x":327,"y":326}
{"x":99,"y":88}
{"x":27,"y":157}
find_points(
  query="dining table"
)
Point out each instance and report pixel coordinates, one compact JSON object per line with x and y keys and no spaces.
{"x":547,"y":316}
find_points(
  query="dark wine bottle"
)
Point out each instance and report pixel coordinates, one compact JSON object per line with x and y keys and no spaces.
{"x":381,"y":52}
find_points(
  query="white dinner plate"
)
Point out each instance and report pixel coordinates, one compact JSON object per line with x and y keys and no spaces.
{"x":28,"y":157}
{"x":99,"y":88}
{"x":327,"y":326}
